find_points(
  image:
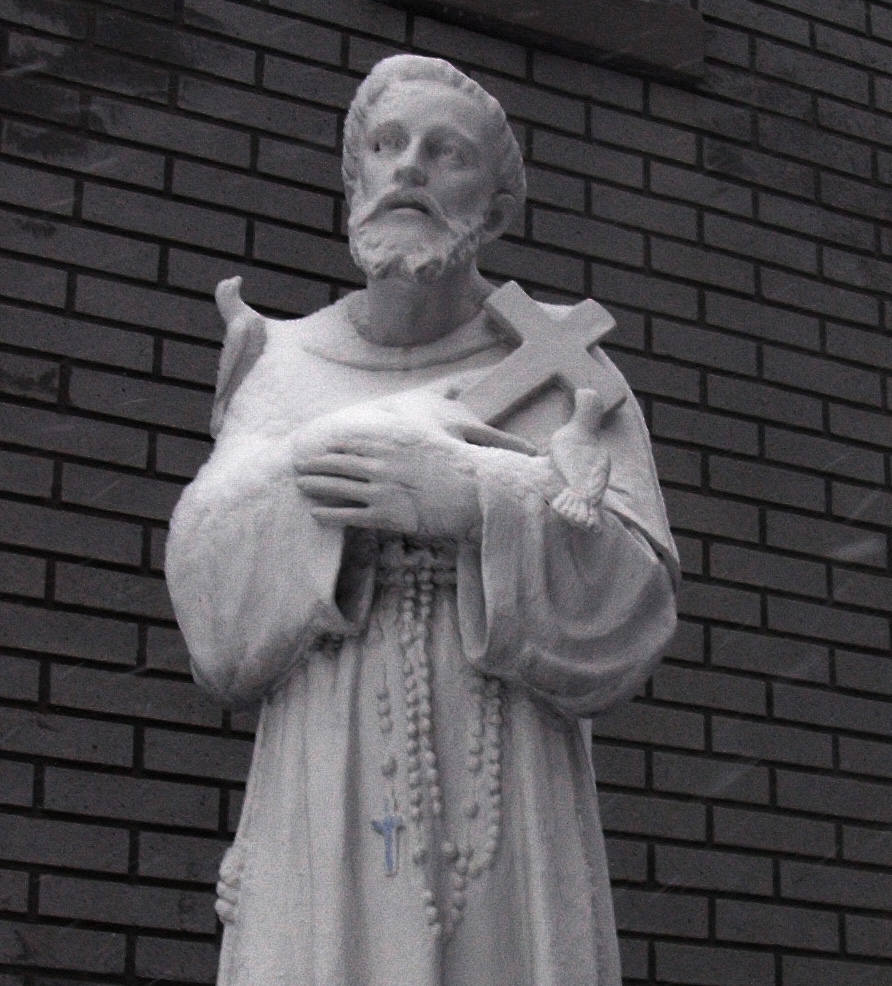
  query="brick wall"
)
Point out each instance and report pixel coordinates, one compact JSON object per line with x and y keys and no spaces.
{"x":739,"y":231}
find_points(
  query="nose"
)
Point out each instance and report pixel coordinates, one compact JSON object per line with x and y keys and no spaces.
{"x":410,"y":170}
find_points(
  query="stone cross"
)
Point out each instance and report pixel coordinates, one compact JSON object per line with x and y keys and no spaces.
{"x":549,"y":351}
{"x":388,"y":826}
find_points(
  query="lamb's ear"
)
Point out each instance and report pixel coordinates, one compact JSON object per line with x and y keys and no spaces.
{"x":244,"y":342}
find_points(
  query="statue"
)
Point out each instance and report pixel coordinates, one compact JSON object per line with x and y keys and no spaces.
{"x":430,"y":538}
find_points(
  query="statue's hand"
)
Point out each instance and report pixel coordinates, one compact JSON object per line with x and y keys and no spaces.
{"x":394,"y":470}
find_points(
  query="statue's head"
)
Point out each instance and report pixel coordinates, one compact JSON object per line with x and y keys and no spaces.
{"x":431,"y":168}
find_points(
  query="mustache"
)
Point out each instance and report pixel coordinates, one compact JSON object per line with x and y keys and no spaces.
{"x":413,"y":198}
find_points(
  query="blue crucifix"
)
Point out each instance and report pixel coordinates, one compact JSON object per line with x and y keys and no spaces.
{"x":388,"y":826}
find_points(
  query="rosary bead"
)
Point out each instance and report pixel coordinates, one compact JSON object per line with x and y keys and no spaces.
{"x":428,"y":898}
{"x":433,"y":914}
{"x":388,"y":768}
{"x":419,"y":855}
{"x":471,"y":809}
{"x":415,"y":813}
{"x":474,"y":764}
{"x":459,"y":900}
{"x":449,"y":850}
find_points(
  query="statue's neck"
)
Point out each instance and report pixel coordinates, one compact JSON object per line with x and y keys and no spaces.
{"x":404,"y":312}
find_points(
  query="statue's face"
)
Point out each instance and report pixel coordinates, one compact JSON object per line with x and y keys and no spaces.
{"x":425,"y":184}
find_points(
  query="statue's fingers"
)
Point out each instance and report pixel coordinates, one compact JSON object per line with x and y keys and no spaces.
{"x":344,"y":516}
{"x":225,"y":912}
{"x":486,"y":435}
{"x":345,"y":464}
{"x":227,"y":893}
{"x":347,"y":492}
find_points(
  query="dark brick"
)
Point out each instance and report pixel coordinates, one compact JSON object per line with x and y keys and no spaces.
{"x":862,"y":673}
{"x":583,"y":79}
{"x":823,"y":375}
{"x":158,"y":549}
{"x":449,"y":41}
{"x":52,"y":16}
{"x":92,"y":67}
{"x":194,"y":364}
{"x":865,"y":757}
{"x":708,"y":777}
{"x":863,"y":124}
{"x":120,"y":903}
{"x":627,"y":860}
{"x":586,"y":158}
{"x":168,"y":958}
{"x":220,"y":758}
{"x":24,"y":376}
{"x":809,"y":70}
{"x":769,"y":570}
{"x":703,"y":266}
{"x":652,"y":724}
{"x":119,"y":492}
{"x":26,"y":474}
{"x":552,"y":188}
{"x":773,"y":832}
{"x":835,"y":458}
{"x":755,"y":17}
{"x":808,"y":142}
{"x":66,"y":738}
{"x":694,"y":110}
{"x":244,"y":193}
{"x":690,"y":551}
{"x":55,"y":334}
{"x":660,"y":912}
{"x":269,"y":289}
{"x":870,"y":348}
{"x":697,"y":965}
{"x":252,"y":109}
{"x":362,"y":15}
{"x":264,"y":29}
{"x":61,"y":947}
{"x":157,"y":8}
{"x":42,"y":99}
{"x":840,"y":885}
{"x":618,"y":765}
{"x":16,"y":783}
{"x":180,"y":857}
{"x":755,"y":90}
{"x":861,"y":589}
{"x":14,"y":890}
{"x":702,"y":346}
{"x":724,"y":45}
{"x":304,"y":251}
{"x":163,"y":219}
{"x":811,"y":620}
{"x":678,"y":465}
{"x":692,"y":186}
{"x":22,"y":575}
{"x":643,"y":211}
{"x":48,"y":842}
{"x":297,"y":163}
{"x":79,"y":246}
{"x":857,"y":197}
{"x":36,"y":189}
{"x":363,"y":53}
{"x":658,"y":377}
{"x":114,"y":591}
{"x":588,"y":237}
{"x":762,"y":320}
{"x":75,"y":534}
{"x":141,"y":400}
{"x":869,"y":936}
{"x":19,"y":678}
{"x":70,"y":634}
{"x":832,"y":709}
{"x":633,"y":954}
{"x":819,"y":297}
{"x":715,"y":602}
{"x":766,"y":924}
{"x":78,"y":153}
{"x":768,"y":741}
{"x":678,"y":866}
{"x":151,"y":40}
{"x":688,"y":642}
{"x":137,"y":799}
{"x":767,"y":655}
{"x":859,"y":271}
{"x":763,"y":170}
{"x":861,"y":51}
{"x":702,"y":428}
{"x":127,"y":694}
{"x":873,"y":506}
{"x":524,"y":263}
{"x":523,"y":102}
{"x":54,"y":432}
{"x":181,"y":456}
{"x":762,"y":482}
{"x":826,"y":539}
{"x":712,"y":689}
{"x":162,"y":129}
{"x":868,"y":845}
{"x":759,"y":243}
{"x":815,"y":220}
{"x":712,"y":515}
{"x":32,"y":282}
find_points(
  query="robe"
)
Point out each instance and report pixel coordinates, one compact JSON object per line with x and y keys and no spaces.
{"x":421,"y":807}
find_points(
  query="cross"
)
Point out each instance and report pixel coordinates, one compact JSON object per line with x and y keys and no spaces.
{"x":388,"y":826}
{"x":550,"y":351}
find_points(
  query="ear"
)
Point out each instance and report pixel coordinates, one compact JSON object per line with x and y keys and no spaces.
{"x":501,"y":212}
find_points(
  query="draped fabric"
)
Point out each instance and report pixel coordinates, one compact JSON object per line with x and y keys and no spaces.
{"x":421,"y":809}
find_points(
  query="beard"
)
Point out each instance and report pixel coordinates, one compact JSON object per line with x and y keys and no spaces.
{"x":410,"y":250}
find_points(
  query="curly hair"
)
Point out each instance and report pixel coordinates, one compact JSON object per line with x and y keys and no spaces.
{"x":397,"y":69}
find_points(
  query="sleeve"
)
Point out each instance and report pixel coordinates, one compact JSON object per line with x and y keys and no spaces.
{"x":254,"y":580}
{"x":578,"y":617}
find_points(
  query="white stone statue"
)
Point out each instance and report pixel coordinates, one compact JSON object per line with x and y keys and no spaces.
{"x":426,"y":603}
